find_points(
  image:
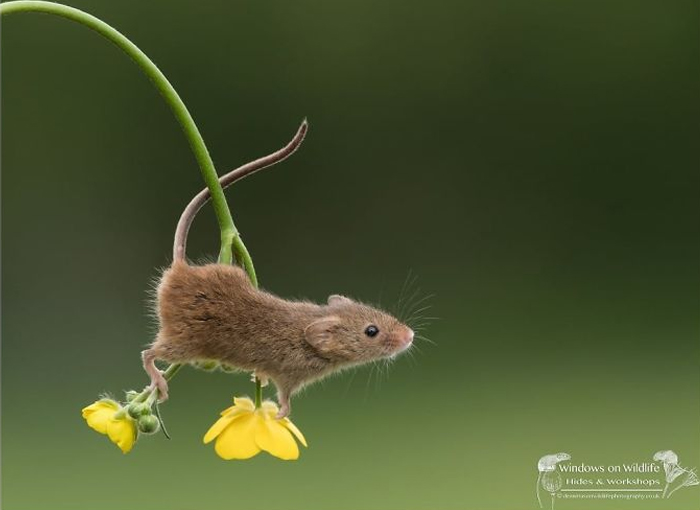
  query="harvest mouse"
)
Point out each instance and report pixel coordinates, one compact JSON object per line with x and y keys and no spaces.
{"x":214,"y":312}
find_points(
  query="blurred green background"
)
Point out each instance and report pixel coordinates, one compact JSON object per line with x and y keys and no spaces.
{"x":534,"y":163}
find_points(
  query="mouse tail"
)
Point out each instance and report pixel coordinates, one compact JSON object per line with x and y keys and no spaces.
{"x":187,"y":217}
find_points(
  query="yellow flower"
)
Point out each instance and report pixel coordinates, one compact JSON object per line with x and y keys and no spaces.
{"x":106,"y":417}
{"x":244,"y":431}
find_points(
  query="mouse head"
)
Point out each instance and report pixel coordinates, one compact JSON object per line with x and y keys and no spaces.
{"x":353,"y":332}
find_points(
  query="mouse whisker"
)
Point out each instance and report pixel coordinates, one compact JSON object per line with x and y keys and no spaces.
{"x":422,"y":321}
{"x":419,"y":310}
{"x":412,"y":356}
{"x":426,"y":339}
{"x":419,"y":326}
{"x":387,"y":367}
{"x":405,"y":288}
{"x":349,"y":384}
{"x":422,"y":300}
{"x":378,"y":379}
{"x":418,"y":314}
{"x":369,"y":379}
{"x":408,"y":305}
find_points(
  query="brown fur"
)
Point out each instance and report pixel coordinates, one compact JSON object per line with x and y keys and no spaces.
{"x":213,"y":312}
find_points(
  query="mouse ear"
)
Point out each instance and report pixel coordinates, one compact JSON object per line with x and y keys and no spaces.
{"x":337,"y":299}
{"x":319,"y":334}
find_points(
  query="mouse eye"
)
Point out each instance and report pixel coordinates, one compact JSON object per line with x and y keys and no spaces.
{"x":371,"y":331}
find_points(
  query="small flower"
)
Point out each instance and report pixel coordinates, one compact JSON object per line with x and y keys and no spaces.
{"x":244,"y":431}
{"x":107,"y":417}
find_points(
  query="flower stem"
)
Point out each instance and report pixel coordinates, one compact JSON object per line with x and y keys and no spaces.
{"x":258,"y":393}
{"x":229,"y":234}
{"x":230,"y":237}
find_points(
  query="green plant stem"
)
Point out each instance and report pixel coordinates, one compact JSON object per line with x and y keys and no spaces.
{"x":258,"y":393}
{"x":229,"y":233}
{"x":230,"y":237}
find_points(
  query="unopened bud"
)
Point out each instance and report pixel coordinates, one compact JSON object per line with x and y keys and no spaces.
{"x":136,"y":410}
{"x":207,"y":365}
{"x":148,"y":424}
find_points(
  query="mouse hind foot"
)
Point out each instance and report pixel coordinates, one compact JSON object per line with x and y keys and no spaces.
{"x":158,"y":382}
{"x":285,"y":405}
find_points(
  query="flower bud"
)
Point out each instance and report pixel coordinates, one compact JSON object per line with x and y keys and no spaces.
{"x":138,"y":409}
{"x":207,"y":365}
{"x":131,"y":395}
{"x":148,"y":424}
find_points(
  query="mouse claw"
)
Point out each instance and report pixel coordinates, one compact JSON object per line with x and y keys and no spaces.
{"x":161,"y":385}
{"x":157,"y":380}
{"x":285,"y":409}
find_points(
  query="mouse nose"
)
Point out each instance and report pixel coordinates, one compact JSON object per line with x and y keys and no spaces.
{"x":406,"y":338}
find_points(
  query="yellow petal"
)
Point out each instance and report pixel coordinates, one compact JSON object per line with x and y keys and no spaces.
{"x":237,"y":441}
{"x":273,"y":437}
{"x":228,"y":410}
{"x":100,"y":405}
{"x":223,"y":422}
{"x":98,"y":416}
{"x":122,"y":432}
{"x":269,"y":408}
{"x":244,"y":403}
{"x":294,"y":430}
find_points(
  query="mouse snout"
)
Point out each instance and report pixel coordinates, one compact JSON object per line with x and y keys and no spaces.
{"x":403,"y":338}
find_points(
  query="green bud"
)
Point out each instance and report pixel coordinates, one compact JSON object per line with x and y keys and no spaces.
{"x":229,"y":369}
{"x":136,"y":410}
{"x":148,"y":424}
{"x":207,"y":365}
{"x":131,"y":395}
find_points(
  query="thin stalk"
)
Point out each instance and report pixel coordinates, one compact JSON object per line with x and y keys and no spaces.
{"x":206,"y":165}
{"x":258,"y":393}
{"x":230,"y":237}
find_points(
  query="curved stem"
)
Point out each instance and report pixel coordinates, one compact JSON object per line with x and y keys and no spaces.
{"x":230,"y":238}
{"x":229,"y":234}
